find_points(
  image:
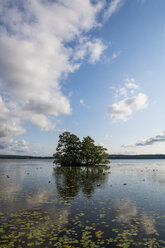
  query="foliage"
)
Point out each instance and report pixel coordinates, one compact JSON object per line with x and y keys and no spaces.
{"x":71,"y":151}
{"x":88,"y":150}
{"x":68,"y":150}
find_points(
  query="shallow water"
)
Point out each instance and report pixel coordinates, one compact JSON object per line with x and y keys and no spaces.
{"x":121,"y":205}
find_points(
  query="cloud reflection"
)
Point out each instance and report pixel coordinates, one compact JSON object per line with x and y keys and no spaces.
{"x":127,"y":212}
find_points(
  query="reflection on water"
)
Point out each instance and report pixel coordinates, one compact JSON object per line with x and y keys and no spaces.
{"x":126,"y":211}
{"x":117,"y":206}
{"x":71,"y":180}
{"x":9,"y":189}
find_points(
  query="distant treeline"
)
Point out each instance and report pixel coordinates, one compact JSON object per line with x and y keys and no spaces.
{"x":23,"y":157}
{"x":112,"y":156}
{"x":143,"y":156}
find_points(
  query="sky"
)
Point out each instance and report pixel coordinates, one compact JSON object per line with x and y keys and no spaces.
{"x":91,"y":67}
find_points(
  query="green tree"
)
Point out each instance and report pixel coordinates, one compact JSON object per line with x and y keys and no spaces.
{"x":100,"y":155}
{"x":71,"y":151}
{"x":68,"y":150}
{"x":87,"y":150}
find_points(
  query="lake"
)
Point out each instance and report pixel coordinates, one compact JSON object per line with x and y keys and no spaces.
{"x":120,"y":205}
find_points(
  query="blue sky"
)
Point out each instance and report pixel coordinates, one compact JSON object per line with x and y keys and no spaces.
{"x":89,"y":67}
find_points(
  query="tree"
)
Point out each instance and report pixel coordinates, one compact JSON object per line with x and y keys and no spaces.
{"x":100,"y":155}
{"x":87,"y":150}
{"x":92,"y":154}
{"x":68,"y":150}
{"x":71,"y":151}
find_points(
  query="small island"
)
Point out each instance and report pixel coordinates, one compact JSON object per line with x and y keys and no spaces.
{"x":71,"y":151}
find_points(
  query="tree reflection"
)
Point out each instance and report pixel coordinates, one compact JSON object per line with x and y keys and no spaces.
{"x":71,"y":180}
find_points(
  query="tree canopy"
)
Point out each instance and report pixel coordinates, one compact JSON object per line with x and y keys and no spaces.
{"x":71,"y":151}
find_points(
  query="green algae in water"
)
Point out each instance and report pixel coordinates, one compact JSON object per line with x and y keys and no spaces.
{"x":75,"y":212}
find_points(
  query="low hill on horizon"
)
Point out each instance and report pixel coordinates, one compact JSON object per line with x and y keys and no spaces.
{"x":138,"y":156}
{"x":24,"y":157}
{"x":111,"y":156}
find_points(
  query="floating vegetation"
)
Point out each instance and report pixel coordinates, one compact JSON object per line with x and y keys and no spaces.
{"x":72,"y":211}
{"x":58,"y":228}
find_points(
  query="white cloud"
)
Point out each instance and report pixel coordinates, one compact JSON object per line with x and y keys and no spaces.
{"x":123,"y":109}
{"x":9,"y":145}
{"x":150,"y":141}
{"x":122,"y":91}
{"x":11,"y":118}
{"x":120,"y":111}
{"x":130,"y":84}
{"x":41,"y":121}
{"x":128,"y":89}
{"x":35,"y":55}
{"x":96,"y":48}
{"x":140,"y":101}
{"x":42,"y":42}
{"x":92,"y":49}
{"x":10,"y":126}
{"x":114,"y":6}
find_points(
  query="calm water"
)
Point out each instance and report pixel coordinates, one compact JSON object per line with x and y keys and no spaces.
{"x":122,"y":205}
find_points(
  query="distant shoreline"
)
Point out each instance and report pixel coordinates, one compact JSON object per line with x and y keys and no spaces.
{"x":23,"y":157}
{"x":112,"y":156}
{"x":141,"y":156}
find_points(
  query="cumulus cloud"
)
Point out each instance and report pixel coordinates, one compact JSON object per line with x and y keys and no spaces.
{"x":35,"y":55}
{"x":10,"y":126}
{"x":91,"y":49}
{"x":8,"y":145}
{"x":149,"y":141}
{"x":9,"y":123}
{"x":42,"y":42}
{"x":123,"y":109}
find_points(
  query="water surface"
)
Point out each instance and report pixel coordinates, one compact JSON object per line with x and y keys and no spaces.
{"x":43,"y":205}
